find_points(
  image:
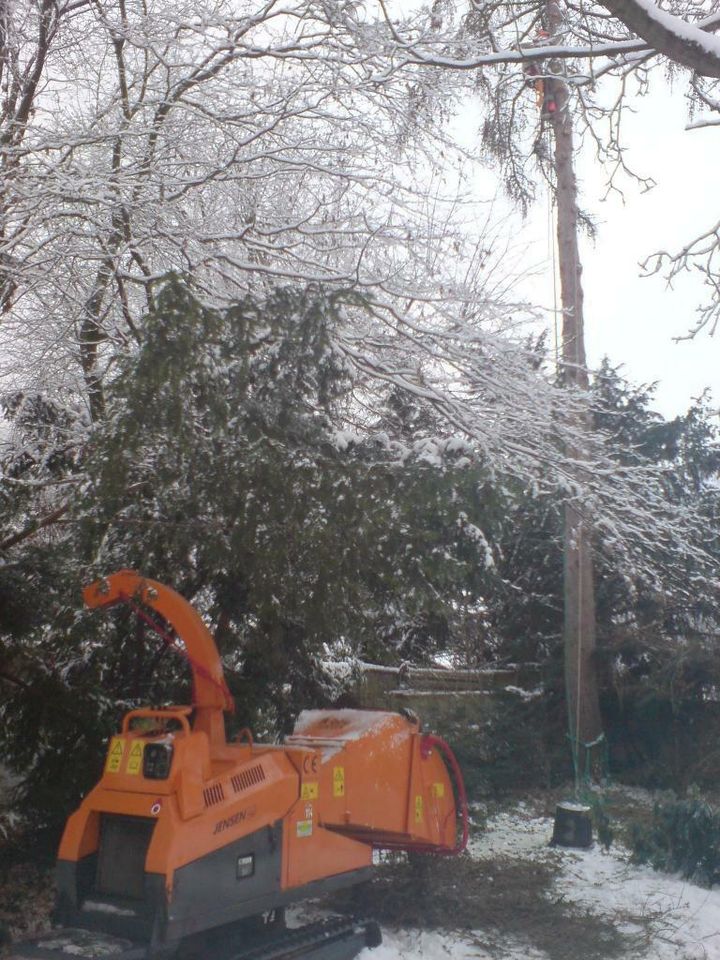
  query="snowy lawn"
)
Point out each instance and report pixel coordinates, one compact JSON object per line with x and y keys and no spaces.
{"x":575,"y":903}
{"x":512,"y":898}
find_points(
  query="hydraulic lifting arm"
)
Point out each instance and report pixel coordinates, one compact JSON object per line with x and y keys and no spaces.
{"x":210,"y":693}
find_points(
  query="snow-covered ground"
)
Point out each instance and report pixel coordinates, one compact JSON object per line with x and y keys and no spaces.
{"x":660,"y":917}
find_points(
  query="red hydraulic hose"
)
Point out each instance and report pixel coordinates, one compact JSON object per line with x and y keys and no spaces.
{"x":429,"y":741}
{"x":171,"y":642}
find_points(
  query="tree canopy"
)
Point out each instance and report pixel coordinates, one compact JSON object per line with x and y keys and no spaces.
{"x":235,"y":463}
{"x":260,"y":342}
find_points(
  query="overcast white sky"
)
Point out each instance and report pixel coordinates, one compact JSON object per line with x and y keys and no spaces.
{"x":634,"y":319}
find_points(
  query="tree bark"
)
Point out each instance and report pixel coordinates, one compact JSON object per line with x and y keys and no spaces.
{"x":579,"y":635}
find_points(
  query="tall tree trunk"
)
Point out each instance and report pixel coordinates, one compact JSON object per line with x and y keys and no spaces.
{"x":585,"y":723}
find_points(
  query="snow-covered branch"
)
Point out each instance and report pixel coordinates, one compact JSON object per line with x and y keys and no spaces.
{"x":681,"y":41}
{"x":701,"y":255}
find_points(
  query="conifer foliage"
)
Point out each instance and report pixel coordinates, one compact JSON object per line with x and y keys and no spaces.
{"x":661,"y":643}
{"x":309,"y":514}
{"x":224,"y":466}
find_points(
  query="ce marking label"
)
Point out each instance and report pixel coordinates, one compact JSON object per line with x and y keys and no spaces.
{"x":310,"y":763}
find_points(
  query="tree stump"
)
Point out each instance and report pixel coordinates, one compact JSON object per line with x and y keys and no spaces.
{"x":573,"y":826}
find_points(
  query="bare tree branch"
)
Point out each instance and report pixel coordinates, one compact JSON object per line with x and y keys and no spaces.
{"x":35,"y":527}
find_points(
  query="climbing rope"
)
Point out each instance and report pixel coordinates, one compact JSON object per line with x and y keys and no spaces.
{"x":592,"y":757}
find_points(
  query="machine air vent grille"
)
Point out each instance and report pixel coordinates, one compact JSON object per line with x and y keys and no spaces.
{"x":247,"y":778}
{"x":214,"y":794}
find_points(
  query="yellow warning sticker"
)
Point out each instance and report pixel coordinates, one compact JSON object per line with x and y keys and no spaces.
{"x":135,"y":758}
{"x":310,"y":791}
{"x":304,"y":828}
{"x":418,"y":808}
{"x":338,"y":781}
{"x":438,"y":789}
{"x":115,"y":755}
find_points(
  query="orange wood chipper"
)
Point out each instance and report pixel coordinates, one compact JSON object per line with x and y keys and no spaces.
{"x":187,"y":835}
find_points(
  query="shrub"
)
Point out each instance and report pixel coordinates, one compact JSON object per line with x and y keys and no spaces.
{"x":683,"y":836}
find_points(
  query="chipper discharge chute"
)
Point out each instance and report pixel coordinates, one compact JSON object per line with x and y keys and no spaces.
{"x":187,"y":836}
